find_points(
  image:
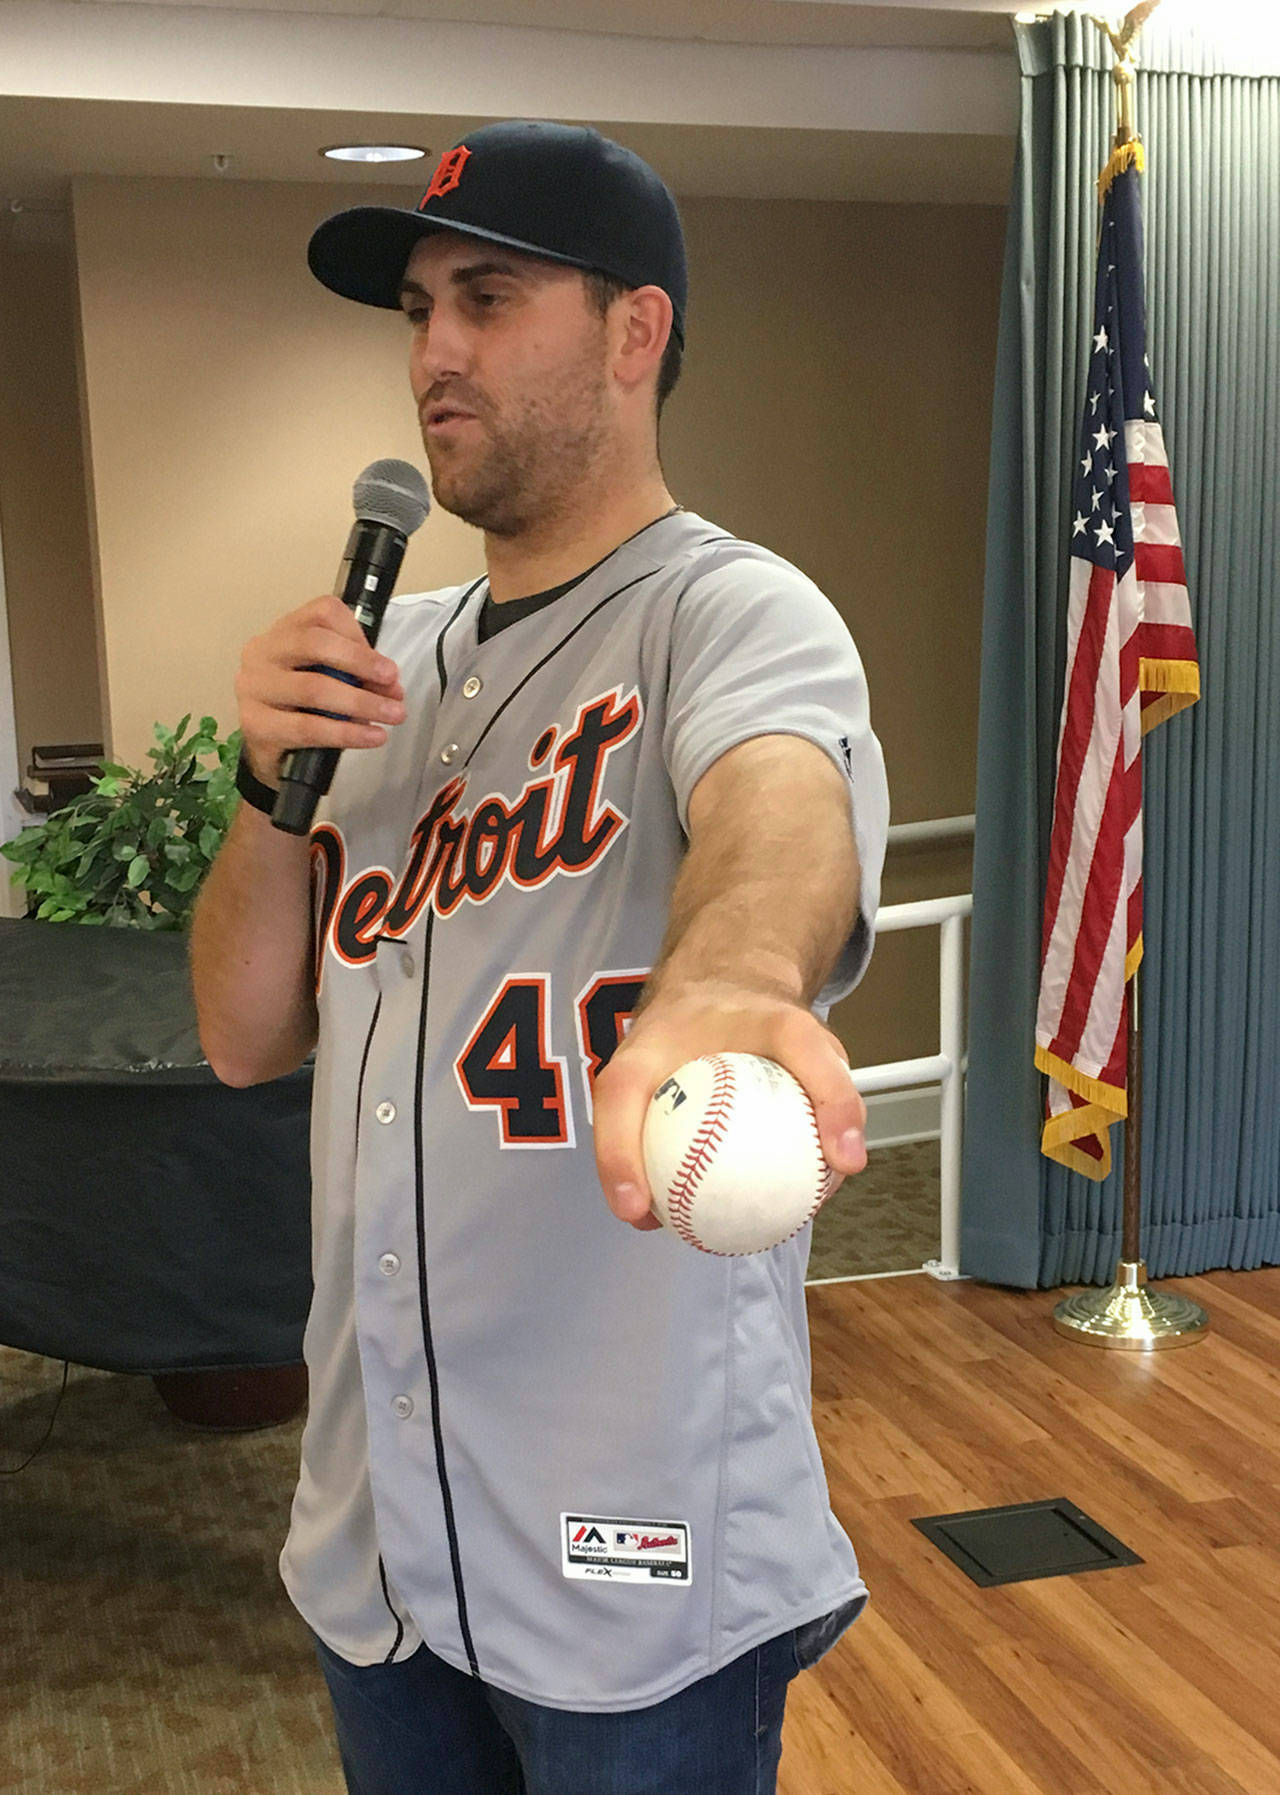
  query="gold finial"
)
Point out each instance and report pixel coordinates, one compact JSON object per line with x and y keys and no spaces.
{"x":1123,"y":36}
{"x":1127,"y":146}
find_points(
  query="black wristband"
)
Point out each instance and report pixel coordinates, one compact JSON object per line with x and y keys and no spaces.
{"x":251,"y":788}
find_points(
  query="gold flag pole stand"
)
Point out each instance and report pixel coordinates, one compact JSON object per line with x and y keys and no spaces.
{"x":1130,"y":1316}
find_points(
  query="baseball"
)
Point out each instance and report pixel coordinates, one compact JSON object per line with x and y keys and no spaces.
{"x":732,"y":1154}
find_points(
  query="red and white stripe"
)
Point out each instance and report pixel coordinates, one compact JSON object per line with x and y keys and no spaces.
{"x":1123,"y":637}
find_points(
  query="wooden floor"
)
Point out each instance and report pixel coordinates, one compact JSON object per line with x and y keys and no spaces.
{"x":1165,"y":1676}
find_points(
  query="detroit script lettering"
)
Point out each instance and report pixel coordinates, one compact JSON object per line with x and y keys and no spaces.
{"x":458,"y":854}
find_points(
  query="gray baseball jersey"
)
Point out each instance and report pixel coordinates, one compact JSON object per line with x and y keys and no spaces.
{"x":578,"y":1460}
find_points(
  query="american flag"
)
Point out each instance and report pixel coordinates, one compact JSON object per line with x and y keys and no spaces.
{"x":1131,"y":662}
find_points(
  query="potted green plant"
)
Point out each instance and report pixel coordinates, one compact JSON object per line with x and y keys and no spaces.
{"x":157,"y":1218}
{"x":132,"y":852}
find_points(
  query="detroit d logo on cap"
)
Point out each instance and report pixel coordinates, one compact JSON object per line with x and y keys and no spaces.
{"x":448,"y":174}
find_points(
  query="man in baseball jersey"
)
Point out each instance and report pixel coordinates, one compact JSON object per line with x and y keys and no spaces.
{"x":561,"y":1524}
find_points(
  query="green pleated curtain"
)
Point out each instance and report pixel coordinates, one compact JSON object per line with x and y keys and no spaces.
{"x":1209,"y":116}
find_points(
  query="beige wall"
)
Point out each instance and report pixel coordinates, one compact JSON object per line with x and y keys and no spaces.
{"x":231,"y":402}
{"x":43,"y":513}
{"x":834,"y":406}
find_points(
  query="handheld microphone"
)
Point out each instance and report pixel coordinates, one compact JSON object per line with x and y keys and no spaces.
{"x":391,"y":500}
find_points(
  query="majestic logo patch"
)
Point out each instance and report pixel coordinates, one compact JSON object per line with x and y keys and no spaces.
{"x":626,"y":1551}
{"x":448,"y":173}
{"x":459,"y":854}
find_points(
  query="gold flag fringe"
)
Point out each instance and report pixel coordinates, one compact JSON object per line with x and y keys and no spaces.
{"x":1124,"y":155}
{"x":1101,"y":1095}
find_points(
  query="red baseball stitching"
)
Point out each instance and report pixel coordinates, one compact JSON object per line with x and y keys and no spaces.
{"x":828,"y":1177}
{"x":698,"y":1153}
{"x":698,"y":1156}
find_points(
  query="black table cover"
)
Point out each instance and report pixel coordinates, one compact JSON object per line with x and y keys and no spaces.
{"x":151,"y":1218}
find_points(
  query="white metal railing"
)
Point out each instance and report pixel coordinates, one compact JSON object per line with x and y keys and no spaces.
{"x":936,"y":829}
{"x":947,"y":1065}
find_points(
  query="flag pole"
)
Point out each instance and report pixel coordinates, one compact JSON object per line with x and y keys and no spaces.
{"x":1129,"y":1315}
{"x":1131,"y":1232}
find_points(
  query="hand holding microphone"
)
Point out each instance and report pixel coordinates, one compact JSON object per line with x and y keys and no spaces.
{"x":285,"y":686}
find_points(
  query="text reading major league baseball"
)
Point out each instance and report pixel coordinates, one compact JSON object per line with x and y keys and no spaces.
{"x":456,"y":855}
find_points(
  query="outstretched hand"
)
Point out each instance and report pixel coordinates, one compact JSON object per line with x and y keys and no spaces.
{"x":717,"y":1017}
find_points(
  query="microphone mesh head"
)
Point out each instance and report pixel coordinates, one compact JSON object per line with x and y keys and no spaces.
{"x":392,"y":492}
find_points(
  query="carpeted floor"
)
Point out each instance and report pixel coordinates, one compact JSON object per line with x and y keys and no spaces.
{"x":885,"y":1219}
{"x":146,"y":1644}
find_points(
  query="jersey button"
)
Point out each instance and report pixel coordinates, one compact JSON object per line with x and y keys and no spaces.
{"x":389,"y":1264}
{"x":471,"y":686}
{"x":448,"y":754}
{"x":386,"y":1112}
{"x":406,"y":963}
{"x":403,"y":1406}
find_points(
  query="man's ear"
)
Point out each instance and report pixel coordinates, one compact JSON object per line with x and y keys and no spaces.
{"x":642,"y":327}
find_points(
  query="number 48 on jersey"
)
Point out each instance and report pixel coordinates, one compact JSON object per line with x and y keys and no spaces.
{"x":509,"y":1064}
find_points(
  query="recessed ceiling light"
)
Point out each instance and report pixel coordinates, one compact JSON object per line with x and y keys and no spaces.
{"x":374,"y":152}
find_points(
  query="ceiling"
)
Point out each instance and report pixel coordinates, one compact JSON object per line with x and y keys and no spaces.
{"x":820,"y":99}
{"x":45,"y":142}
{"x":979,"y":24}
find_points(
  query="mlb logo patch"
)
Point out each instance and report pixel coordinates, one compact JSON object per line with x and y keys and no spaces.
{"x":615,"y":1550}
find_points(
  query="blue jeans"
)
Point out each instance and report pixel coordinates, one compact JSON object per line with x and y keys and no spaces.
{"x":421,"y":1727}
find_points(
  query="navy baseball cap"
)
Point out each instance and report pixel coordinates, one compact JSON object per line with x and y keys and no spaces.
{"x":564,"y":192}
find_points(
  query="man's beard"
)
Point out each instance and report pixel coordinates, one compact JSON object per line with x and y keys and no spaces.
{"x":530,"y":468}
